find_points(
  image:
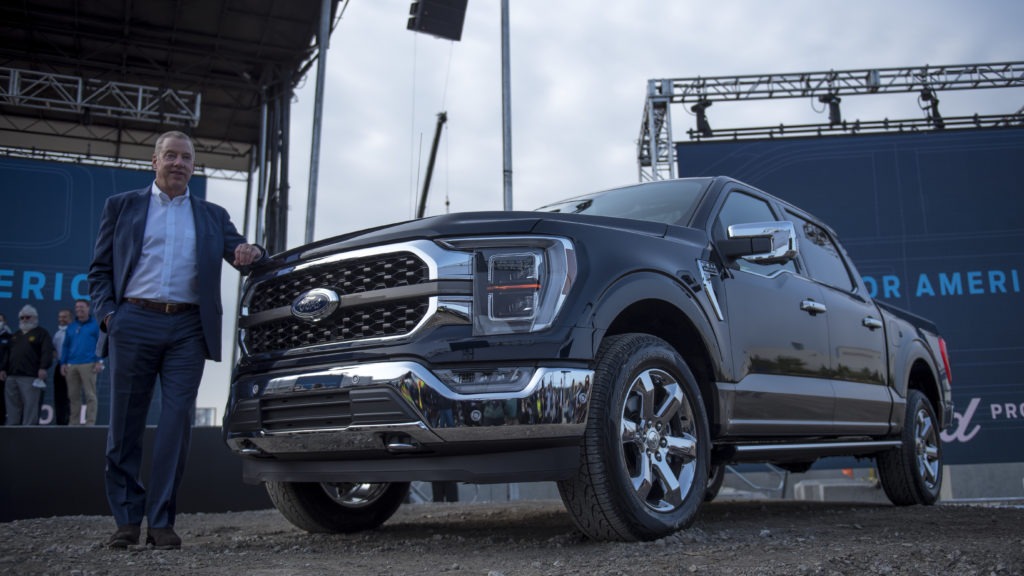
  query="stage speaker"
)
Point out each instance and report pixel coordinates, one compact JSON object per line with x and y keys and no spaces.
{"x":441,"y":18}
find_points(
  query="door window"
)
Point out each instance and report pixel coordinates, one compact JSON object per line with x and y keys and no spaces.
{"x":821,"y":255}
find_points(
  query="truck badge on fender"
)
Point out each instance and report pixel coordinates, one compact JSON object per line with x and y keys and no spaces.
{"x":315,"y":305}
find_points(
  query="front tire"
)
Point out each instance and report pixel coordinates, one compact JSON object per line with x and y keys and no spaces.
{"x":912,"y":474}
{"x":715,"y":480}
{"x":644,"y":460}
{"x":336,"y":507}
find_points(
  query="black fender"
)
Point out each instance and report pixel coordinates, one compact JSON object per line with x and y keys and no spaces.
{"x":649,"y":285}
{"x":911,"y":351}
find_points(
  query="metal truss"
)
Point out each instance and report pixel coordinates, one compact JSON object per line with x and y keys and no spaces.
{"x":860,"y":127}
{"x":655,"y":152}
{"x":843,"y":82}
{"x":654,"y":149}
{"x":109,"y":145}
{"x":71,"y":158}
{"x":121,"y":100}
{"x":125,"y":163}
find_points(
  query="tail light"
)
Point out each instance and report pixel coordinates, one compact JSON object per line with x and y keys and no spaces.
{"x":945,"y":359}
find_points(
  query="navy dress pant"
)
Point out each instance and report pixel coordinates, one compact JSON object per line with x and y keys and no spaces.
{"x":144,"y":345}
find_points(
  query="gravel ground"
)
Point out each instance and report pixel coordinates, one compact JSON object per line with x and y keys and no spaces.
{"x":538,"y":538}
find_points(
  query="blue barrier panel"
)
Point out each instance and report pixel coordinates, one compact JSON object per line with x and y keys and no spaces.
{"x":935,"y":223}
{"x":49,"y":217}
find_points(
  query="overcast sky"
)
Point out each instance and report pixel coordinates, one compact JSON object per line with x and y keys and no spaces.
{"x":579,"y":76}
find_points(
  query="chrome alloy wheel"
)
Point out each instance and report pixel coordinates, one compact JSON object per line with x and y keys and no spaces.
{"x":657,"y":435}
{"x":354,"y":495}
{"x":926,"y":447}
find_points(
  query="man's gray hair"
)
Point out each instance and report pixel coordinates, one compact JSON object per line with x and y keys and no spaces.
{"x":29,"y":310}
{"x":173,"y":134}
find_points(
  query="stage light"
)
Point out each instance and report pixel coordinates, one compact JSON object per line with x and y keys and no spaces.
{"x":834,"y":115}
{"x":702,"y":118}
{"x":931,"y":100}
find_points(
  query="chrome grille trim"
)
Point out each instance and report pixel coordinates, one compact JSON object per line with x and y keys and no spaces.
{"x":394,"y":308}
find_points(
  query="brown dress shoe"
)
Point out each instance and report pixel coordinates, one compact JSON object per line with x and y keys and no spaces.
{"x":163,"y":538}
{"x":124,"y":537}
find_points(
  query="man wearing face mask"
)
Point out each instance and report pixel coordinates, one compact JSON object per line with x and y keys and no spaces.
{"x":29,"y":355}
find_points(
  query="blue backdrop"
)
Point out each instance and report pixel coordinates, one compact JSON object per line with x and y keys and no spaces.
{"x":49,"y":216}
{"x":935,"y":224}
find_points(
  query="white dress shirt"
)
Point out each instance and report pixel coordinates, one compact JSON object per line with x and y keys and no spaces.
{"x":166,"y":271}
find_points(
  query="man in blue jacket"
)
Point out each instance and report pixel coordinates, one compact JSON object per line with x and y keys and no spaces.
{"x":79,"y":364}
{"x":155,"y":284}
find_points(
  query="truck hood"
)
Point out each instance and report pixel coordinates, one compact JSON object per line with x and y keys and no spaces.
{"x":465,"y":224}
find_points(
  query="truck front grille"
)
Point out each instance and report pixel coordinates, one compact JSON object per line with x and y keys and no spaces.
{"x":391,"y":319}
{"x":345,"y":277}
{"x":387,"y":318}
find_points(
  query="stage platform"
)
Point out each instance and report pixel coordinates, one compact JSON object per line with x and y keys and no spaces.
{"x":58,"y":471}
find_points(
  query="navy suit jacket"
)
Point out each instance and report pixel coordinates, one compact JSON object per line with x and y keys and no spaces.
{"x":119,"y":244}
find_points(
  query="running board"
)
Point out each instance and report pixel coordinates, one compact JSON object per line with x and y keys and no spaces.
{"x":800,"y":452}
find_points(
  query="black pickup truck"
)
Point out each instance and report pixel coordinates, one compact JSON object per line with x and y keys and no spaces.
{"x":627,"y":344}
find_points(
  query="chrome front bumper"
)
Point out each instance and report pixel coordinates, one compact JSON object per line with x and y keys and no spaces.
{"x":399,"y":408}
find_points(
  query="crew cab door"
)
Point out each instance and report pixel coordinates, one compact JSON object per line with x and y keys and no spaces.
{"x":857,"y":353}
{"x":779,"y":338}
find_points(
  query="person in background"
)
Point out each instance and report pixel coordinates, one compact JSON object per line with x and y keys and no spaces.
{"x":81,"y":365}
{"x":5,"y":337}
{"x":28,"y":359}
{"x":155,"y":286}
{"x":60,"y":384}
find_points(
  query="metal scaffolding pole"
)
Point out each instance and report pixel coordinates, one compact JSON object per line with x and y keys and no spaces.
{"x":321,"y":73}
{"x":261,"y":186}
{"x":506,"y":108}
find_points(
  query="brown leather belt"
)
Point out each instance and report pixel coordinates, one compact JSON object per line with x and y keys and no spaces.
{"x":163,"y":307}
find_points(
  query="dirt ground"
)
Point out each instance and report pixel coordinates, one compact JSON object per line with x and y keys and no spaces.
{"x":537,"y":538}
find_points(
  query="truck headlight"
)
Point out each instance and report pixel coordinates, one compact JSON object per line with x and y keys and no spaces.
{"x":513,"y":285}
{"x":519,"y":283}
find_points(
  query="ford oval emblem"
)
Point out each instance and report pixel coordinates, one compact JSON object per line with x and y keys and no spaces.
{"x":315,"y":305}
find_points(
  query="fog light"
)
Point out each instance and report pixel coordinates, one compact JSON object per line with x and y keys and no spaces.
{"x":509,"y":379}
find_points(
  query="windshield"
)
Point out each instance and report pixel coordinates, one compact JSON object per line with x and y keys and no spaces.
{"x":666,"y":202}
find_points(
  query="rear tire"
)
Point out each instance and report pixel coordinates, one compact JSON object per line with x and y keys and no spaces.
{"x":912,"y":474}
{"x":333,"y":507}
{"x":645,"y":454}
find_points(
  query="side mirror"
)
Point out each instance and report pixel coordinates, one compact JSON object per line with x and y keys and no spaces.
{"x":761,"y":242}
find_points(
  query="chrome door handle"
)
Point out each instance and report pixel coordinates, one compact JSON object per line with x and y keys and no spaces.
{"x":812,"y":307}
{"x":871,"y":323}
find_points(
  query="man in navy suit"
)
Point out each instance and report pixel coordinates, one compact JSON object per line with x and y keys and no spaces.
{"x":155,"y":286}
